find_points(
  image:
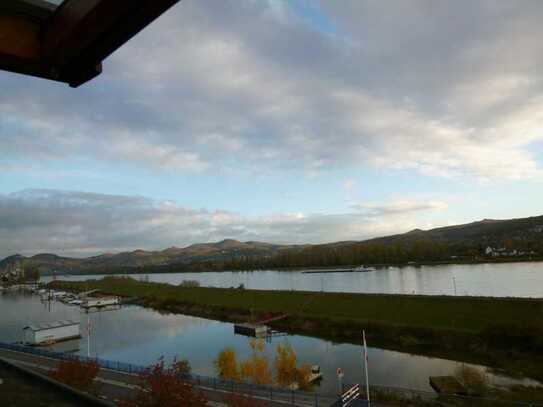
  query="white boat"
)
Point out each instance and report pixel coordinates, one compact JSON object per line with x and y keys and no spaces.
{"x":364,"y":269}
{"x":100,"y":302}
{"x":314,"y":376}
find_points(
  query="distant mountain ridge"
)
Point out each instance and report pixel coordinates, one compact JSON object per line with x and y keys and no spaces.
{"x":484,"y":232}
{"x":225,"y":249}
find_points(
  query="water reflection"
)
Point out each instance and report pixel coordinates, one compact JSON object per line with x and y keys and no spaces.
{"x":138,"y":335}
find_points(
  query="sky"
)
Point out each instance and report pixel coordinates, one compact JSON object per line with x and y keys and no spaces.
{"x":301,"y":121}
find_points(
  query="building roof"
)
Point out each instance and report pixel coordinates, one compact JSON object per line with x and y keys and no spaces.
{"x":50,"y":325}
{"x":67,"y":40}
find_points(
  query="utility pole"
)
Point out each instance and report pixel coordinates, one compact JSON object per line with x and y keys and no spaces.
{"x":454,"y":285}
{"x":88,"y":333}
{"x":366,"y":366}
{"x":340,"y":381}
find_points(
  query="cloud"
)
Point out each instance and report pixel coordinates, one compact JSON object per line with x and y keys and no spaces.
{"x":401,"y":207}
{"x":83,"y":224}
{"x":349,"y":184}
{"x":444,"y":90}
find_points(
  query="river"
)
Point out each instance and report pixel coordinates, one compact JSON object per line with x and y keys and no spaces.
{"x":496,"y":280}
{"x":138,"y":335}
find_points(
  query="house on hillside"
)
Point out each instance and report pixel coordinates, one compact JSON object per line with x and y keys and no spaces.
{"x":503,"y":252}
{"x":13,"y":272}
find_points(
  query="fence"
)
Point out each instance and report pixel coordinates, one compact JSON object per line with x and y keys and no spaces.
{"x":381,"y":395}
{"x":410,"y":397}
{"x":292,"y":397}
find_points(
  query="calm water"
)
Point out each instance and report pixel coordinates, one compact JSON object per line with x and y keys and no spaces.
{"x":500,"y":280}
{"x":138,"y":335}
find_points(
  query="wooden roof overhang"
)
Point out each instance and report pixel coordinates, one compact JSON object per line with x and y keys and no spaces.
{"x":68,"y":42}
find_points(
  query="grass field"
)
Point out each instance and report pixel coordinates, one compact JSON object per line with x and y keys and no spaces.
{"x":461,"y":314}
{"x":505,"y":333}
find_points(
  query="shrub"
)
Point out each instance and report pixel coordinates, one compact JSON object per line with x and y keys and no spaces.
{"x":475,"y":380}
{"x":163,"y":386}
{"x":76,"y":374}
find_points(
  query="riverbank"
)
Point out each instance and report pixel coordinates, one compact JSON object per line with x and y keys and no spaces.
{"x":198,"y":268}
{"x":500,"y":332}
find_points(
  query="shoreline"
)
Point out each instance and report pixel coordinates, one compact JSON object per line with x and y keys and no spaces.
{"x":166,"y":269}
{"x":498,"y":332}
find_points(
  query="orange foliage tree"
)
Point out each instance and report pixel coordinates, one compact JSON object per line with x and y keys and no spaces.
{"x":302,"y":377}
{"x":227,"y":365}
{"x":256,"y":369}
{"x":163,"y":386}
{"x":76,"y":374}
{"x":287,"y":371}
{"x":285,"y":365}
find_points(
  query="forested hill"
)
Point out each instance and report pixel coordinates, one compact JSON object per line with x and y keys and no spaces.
{"x":487,"y":231}
{"x":468,"y":241}
{"x":510,"y":239}
{"x":179,"y":257}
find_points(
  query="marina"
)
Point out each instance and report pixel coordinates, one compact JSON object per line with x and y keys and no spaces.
{"x":132,"y":334}
{"x":100,"y":302}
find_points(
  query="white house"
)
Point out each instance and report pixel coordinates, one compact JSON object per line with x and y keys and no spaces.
{"x":42,"y":334}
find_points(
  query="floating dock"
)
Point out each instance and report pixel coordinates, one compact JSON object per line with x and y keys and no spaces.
{"x":254,"y":331}
{"x":100,"y":302}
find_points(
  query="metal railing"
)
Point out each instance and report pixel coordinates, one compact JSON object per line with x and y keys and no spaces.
{"x":401,"y":396}
{"x":271,"y":393}
{"x":381,"y":395}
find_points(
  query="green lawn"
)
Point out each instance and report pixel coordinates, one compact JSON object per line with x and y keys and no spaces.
{"x":467,"y":314}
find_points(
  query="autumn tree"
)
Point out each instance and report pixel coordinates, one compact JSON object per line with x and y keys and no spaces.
{"x":287,"y":371}
{"x":162,"y":386}
{"x":256,"y":369}
{"x":76,"y":374}
{"x":227,"y":365}
{"x":285,"y":365}
{"x":303,"y":374}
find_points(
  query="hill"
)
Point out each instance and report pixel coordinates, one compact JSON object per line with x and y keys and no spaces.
{"x":201,"y":252}
{"x":486,"y":232}
{"x":467,"y":240}
{"x":499,"y":240}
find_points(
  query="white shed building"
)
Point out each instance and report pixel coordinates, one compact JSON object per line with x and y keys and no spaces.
{"x":52,"y":332}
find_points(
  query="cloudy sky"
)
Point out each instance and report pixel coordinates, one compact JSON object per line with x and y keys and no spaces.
{"x":284,"y":121}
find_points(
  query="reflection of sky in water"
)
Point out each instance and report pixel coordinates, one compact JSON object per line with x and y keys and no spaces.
{"x":475,"y":279}
{"x":137,"y":335}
